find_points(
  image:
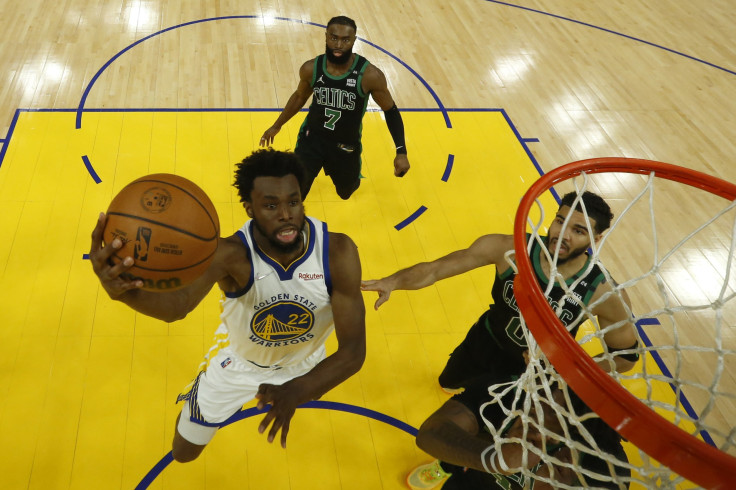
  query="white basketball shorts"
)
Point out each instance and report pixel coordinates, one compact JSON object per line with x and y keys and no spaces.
{"x":225,"y":386}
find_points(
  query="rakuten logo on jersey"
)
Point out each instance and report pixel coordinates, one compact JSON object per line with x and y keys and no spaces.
{"x":309,"y":276}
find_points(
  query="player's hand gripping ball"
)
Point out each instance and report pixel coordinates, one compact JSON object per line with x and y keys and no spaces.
{"x":168,"y":225}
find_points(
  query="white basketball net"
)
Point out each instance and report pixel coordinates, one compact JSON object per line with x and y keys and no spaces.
{"x":684,"y":308}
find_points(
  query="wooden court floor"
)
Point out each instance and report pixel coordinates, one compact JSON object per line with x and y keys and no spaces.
{"x":96,"y":94}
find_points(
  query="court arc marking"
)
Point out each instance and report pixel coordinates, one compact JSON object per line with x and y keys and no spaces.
{"x":88,"y":89}
{"x":445,"y":177}
{"x":658,"y":46}
{"x":448,"y":168}
{"x":86,"y":93}
{"x":316,"y":404}
{"x":344,"y":407}
{"x":411,"y":218}
{"x":90,"y":169}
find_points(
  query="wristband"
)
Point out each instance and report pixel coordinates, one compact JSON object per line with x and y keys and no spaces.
{"x":396,"y":128}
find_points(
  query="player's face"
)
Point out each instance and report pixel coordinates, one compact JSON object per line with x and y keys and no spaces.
{"x":339,"y":43}
{"x":278,"y":212}
{"x":574,"y":240}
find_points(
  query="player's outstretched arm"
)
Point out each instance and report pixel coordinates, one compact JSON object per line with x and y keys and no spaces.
{"x":488,"y":249}
{"x":349,"y":315}
{"x":166,"y":306}
{"x":294,"y":104}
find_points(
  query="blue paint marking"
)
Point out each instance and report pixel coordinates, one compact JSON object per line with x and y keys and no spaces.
{"x":665,"y":371}
{"x":448,"y":167}
{"x":678,"y":53}
{"x":80,"y":108}
{"x":424,"y":82}
{"x":97,"y":179}
{"x":365,"y":412}
{"x":523,"y":142}
{"x":8,"y":136}
{"x":119,"y":54}
{"x":155,"y":471}
{"x":411,"y":218}
{"x":531,"y":140}
{"x":91,"y":170}
{"x":317,"y":404}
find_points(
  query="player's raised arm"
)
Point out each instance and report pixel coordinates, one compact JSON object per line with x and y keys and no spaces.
{"x":488,"y":249}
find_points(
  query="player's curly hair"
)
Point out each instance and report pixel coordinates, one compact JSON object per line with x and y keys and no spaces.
{"x":266,"y":163}
{"x":595,"y":206}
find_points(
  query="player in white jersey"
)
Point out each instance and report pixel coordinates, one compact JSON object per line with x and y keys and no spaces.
{"x":287,"y":283}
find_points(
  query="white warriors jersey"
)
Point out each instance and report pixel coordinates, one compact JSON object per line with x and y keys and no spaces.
{"x":283,"y":314}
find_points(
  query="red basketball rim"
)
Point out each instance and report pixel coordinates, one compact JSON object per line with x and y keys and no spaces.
{"x":653,"y":434}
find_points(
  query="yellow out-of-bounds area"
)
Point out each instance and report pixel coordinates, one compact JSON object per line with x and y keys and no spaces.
{"x":88,"y":386}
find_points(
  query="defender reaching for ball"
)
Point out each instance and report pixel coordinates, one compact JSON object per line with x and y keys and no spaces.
{"x":495,"y":343}
{"x":287,"y":283}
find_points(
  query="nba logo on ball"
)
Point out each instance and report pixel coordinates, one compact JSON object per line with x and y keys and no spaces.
{"x":142,"y":241}
{"x":168,"y":225}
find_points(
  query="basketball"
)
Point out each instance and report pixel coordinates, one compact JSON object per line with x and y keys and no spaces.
{"x":168,"y":226}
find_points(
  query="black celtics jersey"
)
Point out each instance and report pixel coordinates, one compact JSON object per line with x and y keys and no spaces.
{"x":338,"y":103}
{"x":502,"y":318}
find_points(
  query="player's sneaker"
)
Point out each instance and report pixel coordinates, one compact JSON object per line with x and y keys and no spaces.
{"x":426,"y":476}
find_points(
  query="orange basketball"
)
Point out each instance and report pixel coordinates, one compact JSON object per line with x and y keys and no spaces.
{"x":168,"y":225}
